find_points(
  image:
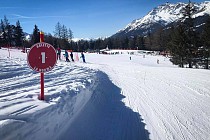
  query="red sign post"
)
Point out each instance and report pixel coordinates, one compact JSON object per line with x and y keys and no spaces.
{"x":42,"y":58}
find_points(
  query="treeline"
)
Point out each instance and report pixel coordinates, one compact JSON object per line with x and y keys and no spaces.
{"x":61,"y":38}
{"x":185,"y":44}
{"x":11,"y":35}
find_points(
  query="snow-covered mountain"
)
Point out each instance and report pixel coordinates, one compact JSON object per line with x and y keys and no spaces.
{"x":162,"y":16}
{"x":27,"y":36}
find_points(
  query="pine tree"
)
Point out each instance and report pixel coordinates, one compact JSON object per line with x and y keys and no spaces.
{"x":140,"y":43}
{"x":63,"y":36}
{"x":131,"y":43}
{"x":48,"y":38}
{"x":13,"y":31}
{"x":159,"y":40}
{"x":70,"y":34}
{"x":148,"y":41}
{"x":116,"y":43}
{"x":178,"y":46}
{"x":58,"y":30}
{"x":191,"y":40}
{"x":35,"y":36}
{"x":97,"y":44}
{"x":2,"y":33}
{"x":92,"y":44}
{"x":109,"y":43}
{"x":124,"y":42}
{"x":8,"y":31}
{"x":19,"y":35}
{"x":206,"y":42}
{"x":64,"y":33}
{"x":63,"y":41}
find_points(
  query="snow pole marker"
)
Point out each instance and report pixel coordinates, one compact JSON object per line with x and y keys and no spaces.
{"x":42,"y":73}
{"x":42,"y":57}
{"x":77,"y":57}
{"x":8,"y":50}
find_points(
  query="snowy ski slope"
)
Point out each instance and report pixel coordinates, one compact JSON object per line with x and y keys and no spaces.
{"x":109,"y":98}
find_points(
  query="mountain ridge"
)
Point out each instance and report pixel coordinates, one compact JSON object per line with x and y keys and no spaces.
{"x":160,"y":17}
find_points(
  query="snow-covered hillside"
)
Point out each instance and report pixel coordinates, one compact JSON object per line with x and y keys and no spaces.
{"x":109,"y":98}
{"x":162,"y":16}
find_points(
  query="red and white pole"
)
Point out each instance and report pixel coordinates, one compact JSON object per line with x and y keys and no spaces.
{"x":8,"y":50}
{"x":42,"y":73}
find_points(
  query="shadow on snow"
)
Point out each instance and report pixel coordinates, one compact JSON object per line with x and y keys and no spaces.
{"x":105,"y":117}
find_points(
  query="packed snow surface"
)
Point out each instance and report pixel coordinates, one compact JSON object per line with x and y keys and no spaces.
{"x":111,"y":97}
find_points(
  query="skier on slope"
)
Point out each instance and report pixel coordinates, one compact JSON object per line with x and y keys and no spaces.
{"x":67,"y":56}
{"x":72,"y":56}
{"x":83,"y":57}
{"x":158,"y":61}
{"x":58,"y":53}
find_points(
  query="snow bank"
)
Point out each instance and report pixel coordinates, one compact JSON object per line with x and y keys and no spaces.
{"x":22,"y":115}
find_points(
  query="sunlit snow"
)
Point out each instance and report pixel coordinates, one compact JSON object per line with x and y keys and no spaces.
{"x":111,"y":97}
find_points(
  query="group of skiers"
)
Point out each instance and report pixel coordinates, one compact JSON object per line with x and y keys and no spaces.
{"x":66,"y":55}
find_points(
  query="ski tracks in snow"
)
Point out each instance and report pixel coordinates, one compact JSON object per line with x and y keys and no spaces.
{"x":66,"y":92}
{"x":106,"y":117}
{"x":133,"y":101}
{"x":171,"y":101}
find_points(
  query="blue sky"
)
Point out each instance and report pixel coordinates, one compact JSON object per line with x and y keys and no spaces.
{"x":87,"y":19}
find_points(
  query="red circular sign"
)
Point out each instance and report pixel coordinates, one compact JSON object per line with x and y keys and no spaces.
{"x":42,"y":57}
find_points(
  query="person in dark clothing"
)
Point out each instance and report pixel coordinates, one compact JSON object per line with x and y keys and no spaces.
{"x":72,"y":56}
{"x":58,"y":53}
{"x":83,"y":57}
{"x":67,"y":56}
